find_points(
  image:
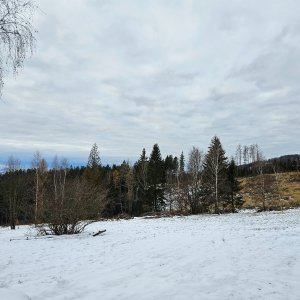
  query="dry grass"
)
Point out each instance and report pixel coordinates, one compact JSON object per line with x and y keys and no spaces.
{"x":287,"y":195}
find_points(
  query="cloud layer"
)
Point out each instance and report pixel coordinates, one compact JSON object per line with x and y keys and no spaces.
{"x":128,"y":74}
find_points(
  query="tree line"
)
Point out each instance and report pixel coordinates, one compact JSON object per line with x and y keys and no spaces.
{"x":62,"y":196}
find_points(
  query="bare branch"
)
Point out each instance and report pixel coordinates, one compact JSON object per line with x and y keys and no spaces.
{"x":16,"y":35}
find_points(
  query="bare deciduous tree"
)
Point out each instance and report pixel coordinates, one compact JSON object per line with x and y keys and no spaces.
{"x":39,"y":164}
{"x":13,"y":165}
{"x":80,"y":204}
{"x":238,"y":154}
{"x":275,"y":168}
{"x":194,"y":167}
{"x":16,"y":34}
{"x":246,"y":155}
{"x":59,"y":170}
{"x":260,"y":169}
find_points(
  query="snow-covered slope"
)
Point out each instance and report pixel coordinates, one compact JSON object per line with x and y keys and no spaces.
{"x":236,"y":256}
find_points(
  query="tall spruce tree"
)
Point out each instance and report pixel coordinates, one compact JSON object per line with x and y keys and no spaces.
{"x":169,"y":166}
{"x":215,"y":176}
{"x":156,"y":177}
{"x":92,"y":173}
{"x":181,"y":163}
{"x":141,"y":178}
{"x":235,"y":200}
{"x":175,"y":164}
{"x":94,"y":157}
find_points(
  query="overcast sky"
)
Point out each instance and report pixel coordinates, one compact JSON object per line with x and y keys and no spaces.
{"x":128,"y":74}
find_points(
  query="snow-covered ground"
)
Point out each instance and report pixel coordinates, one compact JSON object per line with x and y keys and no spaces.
{"x":235,"y":256}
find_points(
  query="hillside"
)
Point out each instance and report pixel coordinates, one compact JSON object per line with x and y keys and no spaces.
{"x":286,"y":158}
{"x":287,"y":189}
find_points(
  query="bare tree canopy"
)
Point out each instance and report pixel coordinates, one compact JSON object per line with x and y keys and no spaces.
{"x":16,"y":35}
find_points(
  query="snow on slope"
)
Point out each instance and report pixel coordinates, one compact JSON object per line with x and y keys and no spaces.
{"x":235,"y":256}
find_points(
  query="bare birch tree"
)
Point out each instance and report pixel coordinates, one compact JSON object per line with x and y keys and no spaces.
{"x":13,"y":165}
{"x":238,"y":154}
{"x":195,"y":168}
{"x":16,"y":34}
{"x":275,"y":168}
{"x":260,"y":169}
{"x":246,"y":155}
{"x":40,"y":167}
{"x":59,"y":169}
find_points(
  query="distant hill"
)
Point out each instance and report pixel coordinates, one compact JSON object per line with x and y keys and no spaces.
{"x":286,"y":158}
{"x":285,"y":163}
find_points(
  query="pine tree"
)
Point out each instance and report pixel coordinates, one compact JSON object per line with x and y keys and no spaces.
{"x":94,"y":158}
{"x":141,"y":178}
{"x":169,"y":163}
{"x":215,"y":176}
{"x":92,"y":173}
{"x":235,"y":200}
{"x":181,"y":163}
{"x":156,"y":176}
{"x":175,"y":164}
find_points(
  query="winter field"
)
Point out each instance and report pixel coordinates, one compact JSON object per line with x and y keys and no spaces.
{"x":235,"y":256}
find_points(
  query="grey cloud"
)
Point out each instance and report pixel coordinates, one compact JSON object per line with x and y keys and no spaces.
{"x":132,"y":73}
{"x":275,"y":69}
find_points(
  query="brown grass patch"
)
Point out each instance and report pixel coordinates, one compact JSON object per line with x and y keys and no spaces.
{"x":287,"y":195}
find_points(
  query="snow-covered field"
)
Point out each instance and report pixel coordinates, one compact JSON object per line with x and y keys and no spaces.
{"x":235,"y":256}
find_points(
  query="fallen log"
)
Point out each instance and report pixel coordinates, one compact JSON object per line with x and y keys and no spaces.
{"x":99,"y":232}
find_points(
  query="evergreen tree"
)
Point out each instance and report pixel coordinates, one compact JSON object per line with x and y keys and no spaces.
{"x":215,"y":176}
{"x":175,"y":164}
{"x":94,"y":158}
{"x":156,"y":176}
{"x":92,"y":173}
{"x":181,"y":163}
{"x":169,"y":163}
{"x":141,"y":178}
{"x":235,"y":200}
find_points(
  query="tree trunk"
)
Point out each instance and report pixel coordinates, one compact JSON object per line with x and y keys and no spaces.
{"x":12,"y":214}
{"x":216,"y":195}
{"x":232,"y":203}
{"x":36,"y":198}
